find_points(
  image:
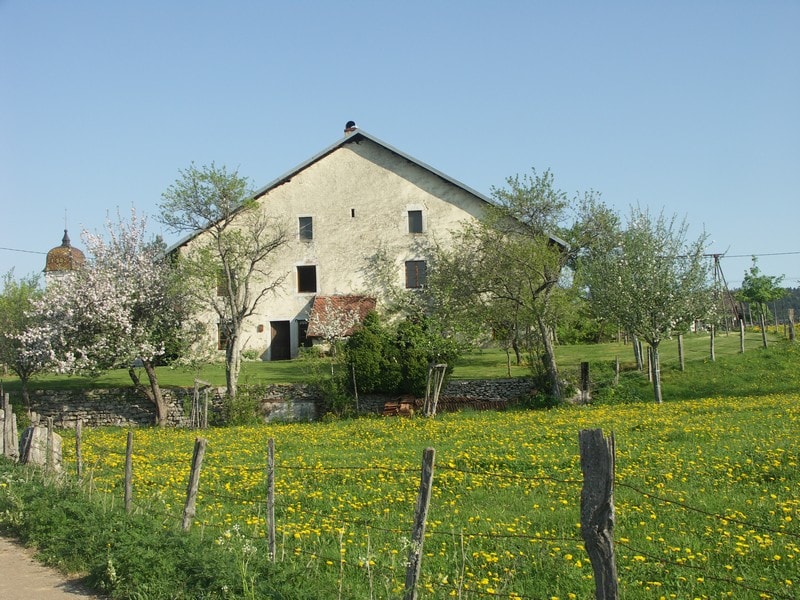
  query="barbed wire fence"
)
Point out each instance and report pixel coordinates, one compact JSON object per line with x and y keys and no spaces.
{"x":406,"y":574}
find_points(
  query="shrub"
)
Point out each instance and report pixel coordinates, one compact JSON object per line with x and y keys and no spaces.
{"x":244,"y":409}
{"x":373,"y":356}
{"x":250,"y":354}
{"x":392,"y":360}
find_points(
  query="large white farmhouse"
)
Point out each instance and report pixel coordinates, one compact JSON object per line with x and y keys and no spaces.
{"x":357,"y":200}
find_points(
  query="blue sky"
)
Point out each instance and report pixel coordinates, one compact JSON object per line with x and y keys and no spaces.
{"x":692,"y":108}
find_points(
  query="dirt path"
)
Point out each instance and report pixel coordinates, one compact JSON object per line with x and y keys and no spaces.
{"x":23,"y":578}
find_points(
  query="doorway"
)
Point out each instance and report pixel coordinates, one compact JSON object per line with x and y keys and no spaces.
{"x":280,"y":347}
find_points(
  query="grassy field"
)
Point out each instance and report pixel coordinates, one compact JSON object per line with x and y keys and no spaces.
{"x":707,"y":498}
{"x":482,"y":364}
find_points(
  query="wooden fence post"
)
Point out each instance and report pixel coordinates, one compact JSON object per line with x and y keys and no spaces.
{"x":129,"y":473}
{"x":355,"y":384}
{"x":712,"y":346}
{"x":414,"y":563}
{"x":791,"y":324}
{"x":616,"y":370}
{"x":78,"y":451}
{"x":584,"y":382}
{"x":49,"y":456}
{"x":741,"y":335}
{"x":271,"y":497}
{"x":194,"y":482}
{"x":597,"y":509}
{"x":10,"y":445}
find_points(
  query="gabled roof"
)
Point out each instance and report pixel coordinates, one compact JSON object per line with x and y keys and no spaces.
{"x":356,"y":136}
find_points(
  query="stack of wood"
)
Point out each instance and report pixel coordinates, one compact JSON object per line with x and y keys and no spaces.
{"x":402,"y":407}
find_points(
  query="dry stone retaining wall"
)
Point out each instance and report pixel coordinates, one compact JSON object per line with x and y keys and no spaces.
{"x":280,"y":402}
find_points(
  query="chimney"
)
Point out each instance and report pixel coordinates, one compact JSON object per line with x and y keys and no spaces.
{"x":349,"y":127}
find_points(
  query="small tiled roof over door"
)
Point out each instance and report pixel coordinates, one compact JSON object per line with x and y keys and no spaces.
{"x":325,"y":308}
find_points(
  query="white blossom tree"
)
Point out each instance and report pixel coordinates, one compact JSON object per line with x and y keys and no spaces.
{"x":121,"y":309}
{"x":650,"y":279}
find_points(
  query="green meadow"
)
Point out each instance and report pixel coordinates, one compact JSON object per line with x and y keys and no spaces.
{"x":707,"y":496}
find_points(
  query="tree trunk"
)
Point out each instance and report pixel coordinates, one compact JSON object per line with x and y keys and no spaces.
{"x":233,"y":365}
{"x":26,"y":396}
{"x":763,"y":319}
{"x":637,"y":353}
{"x":153,"y":394}
{"x":656,"y":369}
{"x":741,"y":335}
{"x":549,"y":360}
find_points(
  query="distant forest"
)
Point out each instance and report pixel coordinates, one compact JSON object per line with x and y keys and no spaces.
{"x":780,"y":308}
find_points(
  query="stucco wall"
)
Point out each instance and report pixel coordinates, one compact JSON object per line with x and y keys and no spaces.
{"x":358,"y":197}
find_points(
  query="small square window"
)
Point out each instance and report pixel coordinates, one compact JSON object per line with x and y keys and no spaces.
{"x":307,"y":279}
{"x":415,"y":221}
{"x":306,"y":228}
{"x":415,"y":274}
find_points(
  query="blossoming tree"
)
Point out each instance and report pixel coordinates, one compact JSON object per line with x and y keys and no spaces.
{"x":123,"y":309}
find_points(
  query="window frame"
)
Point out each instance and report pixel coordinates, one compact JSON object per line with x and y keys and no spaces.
{"x":416,"y":278}
{"x":306,"y":271}
{"x":417,"y":223}
{"x":222,"y":335}
{"x":305,"y":231}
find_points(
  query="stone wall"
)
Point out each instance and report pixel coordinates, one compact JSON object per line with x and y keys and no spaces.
{"x":98,"y":408}
{"x":472,"y":393}
{"x":280,"y":402}
{"x":489,"y":389}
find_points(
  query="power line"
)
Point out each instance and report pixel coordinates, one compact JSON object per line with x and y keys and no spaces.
{"x":26,"y":251}
{"x":756,"y":255}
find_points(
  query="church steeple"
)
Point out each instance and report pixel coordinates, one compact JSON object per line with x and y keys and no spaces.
{"x":63,"y":258}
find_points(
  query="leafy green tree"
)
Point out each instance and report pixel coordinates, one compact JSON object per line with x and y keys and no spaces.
{"x":16,"y":302}
{"x":509,"y":270}
{"x":227,"y":267}
{"x":650,"y":279}
{"x":759,"y":289}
